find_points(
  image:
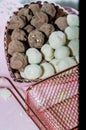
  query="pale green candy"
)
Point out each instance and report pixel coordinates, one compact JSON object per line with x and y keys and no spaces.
{"x":66,"y":63}
{"x":32,"y":72}
{"x":74,"y":46}
{"x":48,"y":70}
{"x":57,"y":39}
{"x":72,"y":32}
{"x":73,"y":20}
{"x":62,"y":52}
{"x":34,"y":56}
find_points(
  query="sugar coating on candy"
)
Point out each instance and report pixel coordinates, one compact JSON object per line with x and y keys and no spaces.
{"x":74,"y":46}
{"x":57,"y":39}
{"x":18,"y":34}
{"x":47,"y":29}
{"x":34,"y":55}
{"x":66,"y":63}
{"x":32,"y":72}
{"x":73,"y":20}
{"x":55,"y":62}
{"x":61,"y":23}
{"x":48,"y":70}
{"x":72,"y":32}
{"x":17,"y":22}
{"x":49,"y":9}
{"x":62,"y":52}
{"x":18,"y":61}
{"x":47,"y":52}
{"x":39,"y":19}
{"x":15,"y":46}
{"x":36,"y":39}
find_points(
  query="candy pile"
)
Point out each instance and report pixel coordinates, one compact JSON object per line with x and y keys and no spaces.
{"x":44,"y":41}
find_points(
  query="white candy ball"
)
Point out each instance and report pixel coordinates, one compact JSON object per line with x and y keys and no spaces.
{"x":74,"y":46}
{"x":55,"y":62}
{"x":66,"y":63}
{"x":72,"y":32}
{"x":57,"y":39}
{"x":5,"y":93}
{"x":34,"y":56}
{"x":32,"y":72}
{"x":48,"y":70}
{"x":73,"y":20}
{"x":62,"y":52}
{"x":47,"y":51}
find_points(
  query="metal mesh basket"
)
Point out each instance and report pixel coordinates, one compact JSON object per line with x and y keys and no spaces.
{"x":54,"y":101}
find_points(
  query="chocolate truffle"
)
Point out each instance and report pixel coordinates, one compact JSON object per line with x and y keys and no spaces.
{"x":17,"y":22}
{"x":15,"y":46}
{"x":39,"y":19}
{"x":34,"y":8}
{"x":36,"y":39}
{"x":18,"y":61}
{"x":25,"y":12}
{"x":61,"y":22}
{"x":29,"y":28}
{"x":47,"y":29}
{"x":49,"y":9}
{"x":19,"y":34}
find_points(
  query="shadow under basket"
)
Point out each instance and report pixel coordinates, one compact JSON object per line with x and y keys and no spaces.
{"x":53,"y":103}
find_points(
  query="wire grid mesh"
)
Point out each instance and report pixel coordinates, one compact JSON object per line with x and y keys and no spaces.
{"x":55,"y":100}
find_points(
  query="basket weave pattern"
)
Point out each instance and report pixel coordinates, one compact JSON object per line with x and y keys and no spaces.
{"x":55,"y":100}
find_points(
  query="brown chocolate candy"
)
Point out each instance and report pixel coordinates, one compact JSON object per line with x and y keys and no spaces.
{"x":49,"y":9}
{"x":61,"y":22}
{"x":60,"y":12}
{"x":17,"y":22}
{"x":34,"y":8}
{"x":29,"y":28}
{"x":15,"y":46}
{"x":36,"y":39}
{"x":25,"y":12}
{"x":39,"y":19}
{"x":19,"y":34}
{"x":18,"y":61}
{"x":47,"y":29}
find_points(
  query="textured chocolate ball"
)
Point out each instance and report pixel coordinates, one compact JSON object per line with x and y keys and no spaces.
{"x":36,"y":39}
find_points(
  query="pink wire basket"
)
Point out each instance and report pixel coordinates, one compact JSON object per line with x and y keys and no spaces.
{"x":54,"y":101}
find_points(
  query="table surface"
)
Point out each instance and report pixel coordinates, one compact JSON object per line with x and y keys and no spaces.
{"x":12,"y":116}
